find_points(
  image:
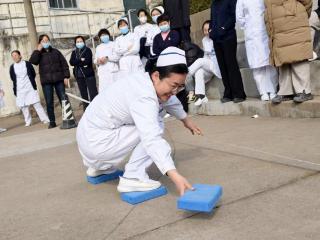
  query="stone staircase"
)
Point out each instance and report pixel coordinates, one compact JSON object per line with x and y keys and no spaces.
{"x":253,"y":105}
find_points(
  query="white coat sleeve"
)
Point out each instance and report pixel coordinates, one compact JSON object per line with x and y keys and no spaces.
{"x":95,"y":60}
{"x":144,"y":112}
{"x":113,"y":57}
{"x":120,"y":50}
{"x":240,"y":15}
{"x":174,"y":107}
{"x":135,"y":48}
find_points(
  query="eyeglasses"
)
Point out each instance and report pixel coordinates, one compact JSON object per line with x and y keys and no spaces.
{"x":176,"y":88}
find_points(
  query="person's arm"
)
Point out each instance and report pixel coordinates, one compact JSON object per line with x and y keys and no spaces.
{"x":73,"y":59}
{"x":240,"y":16}
{"x":35,"y":57}
{"x":135,"y":46}
{"x":13,"y":79}
{"x":86,"y":59}
{"x":230,"y":21}
{"x":120,"y":50}
{"x":113,"y":57}
{"x":308,"y":5}
{"x":174,"y":107}
{"x":156,"y":48}
{"x":175,"y":39}
{"x":64,"y":65}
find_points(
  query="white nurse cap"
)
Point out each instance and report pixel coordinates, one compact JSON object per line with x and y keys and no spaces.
{"x":171,"y":56}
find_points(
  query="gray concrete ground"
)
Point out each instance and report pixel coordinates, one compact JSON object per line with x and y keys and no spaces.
{"x":268,"y":168}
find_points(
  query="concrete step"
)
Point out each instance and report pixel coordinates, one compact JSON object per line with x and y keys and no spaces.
{"x":252,"y":106}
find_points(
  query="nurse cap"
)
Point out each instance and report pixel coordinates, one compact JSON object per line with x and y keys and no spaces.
{"x":159,"y":8}
{"x":171,"y":56}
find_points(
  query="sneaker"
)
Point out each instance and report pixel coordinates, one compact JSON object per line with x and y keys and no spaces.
{"x":225,"y":100}
{"x":167,"y":115}
{"x":28,"y":124}
{"x":265,"y":97}
{"x":135,"y":185}
{"x":314,"y":56}
{"x":200,"y":101}
{"x":272,"y":96}
{"x":91,"y":172}
{"x":238,"y":100}
{"x":302,"y":97}
{"x":2,"y":130}
{"x":45,"y":122}
{"x":279,"y":98}
{"x":52,"y":125}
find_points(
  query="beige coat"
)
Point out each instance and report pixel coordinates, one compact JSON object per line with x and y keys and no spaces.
{"x":288,"y":29}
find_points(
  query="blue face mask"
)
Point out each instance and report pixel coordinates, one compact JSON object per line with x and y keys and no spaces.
{"x":154,"y":19}
{"x":124,"y":30}
{"x":105,"y":38}
{"x":164,"y":28}
{"x":46,"y":45}
{"x":80,"y":45}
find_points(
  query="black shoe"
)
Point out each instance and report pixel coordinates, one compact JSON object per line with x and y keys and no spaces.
{"x":225,"y":100}
{"x":52,"y":125}
{"x":238,"y":100}
{"x":279,"y":98}
{"x":302,"y":97}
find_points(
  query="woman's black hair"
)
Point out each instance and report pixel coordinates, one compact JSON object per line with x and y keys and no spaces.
{"x":163,"y":18}
{"x":156,"y":9}
{"x":165,"y":72}
{"x":206,"y":22}
{"x":16,"y":51}
{"x":42,"y":36}
{"x":121,"y":21}
{"x":142,"y":10}
{"x":103,"y":31}
{"x":75,"y":39}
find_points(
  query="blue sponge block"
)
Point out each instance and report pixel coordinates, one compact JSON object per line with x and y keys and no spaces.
{"x":105,"y":177}
{"x":203,"y":199}
{"x":138,"y":197}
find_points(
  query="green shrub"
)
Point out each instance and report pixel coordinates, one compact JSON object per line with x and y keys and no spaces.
{"x":199,"y":5}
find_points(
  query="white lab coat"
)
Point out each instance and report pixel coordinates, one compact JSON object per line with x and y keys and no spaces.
{"x":107,"y":71}
{"x":142,"y":30}
{"x":150,"y":36}
{"x":250,"y":17}
{"x":123,"y":118}
{"x":128,"y":47}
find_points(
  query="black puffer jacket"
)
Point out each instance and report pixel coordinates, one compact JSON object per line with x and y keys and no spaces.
{"x":53,"y":66}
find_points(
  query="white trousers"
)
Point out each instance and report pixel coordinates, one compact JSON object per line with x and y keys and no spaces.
{"x":40,"y":111}
{"x":111,"y":151}
{"x":314,"y":22}
{"x":203,"y":71}
{"x":266,"y":79}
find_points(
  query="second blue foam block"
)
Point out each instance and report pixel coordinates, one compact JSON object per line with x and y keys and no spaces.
{"x":203,"y":199}
{"x":105,"y":177}
{"x":138,"y":197}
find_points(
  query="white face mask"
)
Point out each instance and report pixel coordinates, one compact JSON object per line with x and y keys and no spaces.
{"x":143,"y":20}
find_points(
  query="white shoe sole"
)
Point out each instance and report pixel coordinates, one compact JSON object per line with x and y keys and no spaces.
{"x":124,"y":189}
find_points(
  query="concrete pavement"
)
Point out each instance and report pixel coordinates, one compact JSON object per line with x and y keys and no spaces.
{"x":268,"y":168}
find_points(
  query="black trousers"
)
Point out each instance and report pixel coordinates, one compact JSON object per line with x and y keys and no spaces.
{"x":226,"y":53}
{"x":85,"y":85}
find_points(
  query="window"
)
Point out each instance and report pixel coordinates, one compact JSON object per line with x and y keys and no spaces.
{"x":63,"y":3}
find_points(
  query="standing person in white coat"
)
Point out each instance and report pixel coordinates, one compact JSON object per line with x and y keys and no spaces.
{"x":203,"y":69}
{"x":25,"y":89}
{"x":127,"y":46}
{"x":106,"y":59}
{"x":1,"y":104}
{"x":142,"y":31}
{"x":250,"y":16}
{"x":127,"y":117}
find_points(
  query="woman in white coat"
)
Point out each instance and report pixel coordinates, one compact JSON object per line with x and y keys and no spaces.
{"x":203,"y":70}
{"x":250,"y":17}
{"x":115,"y":124}
{"x":106,"y":59}
{"x":127,"y":46}
{"x":24,"y":87}
{"x":1,"y":104}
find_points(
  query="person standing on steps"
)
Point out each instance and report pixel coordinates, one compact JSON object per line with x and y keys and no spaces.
{"x":224,"y":36}
{"x":54,"y":73}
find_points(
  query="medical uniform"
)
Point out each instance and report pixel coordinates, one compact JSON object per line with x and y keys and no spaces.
{"x":250,"y":16}
{"x":107,"y":71}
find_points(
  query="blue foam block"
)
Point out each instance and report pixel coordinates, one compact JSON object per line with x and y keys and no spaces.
{"x":138,"y":197}
{"x":105,"y":177}
{"x":203,"y":199}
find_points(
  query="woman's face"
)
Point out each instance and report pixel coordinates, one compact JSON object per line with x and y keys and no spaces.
{"x":206,"y":29}
{"x":16,"y":57}
{"x":155,"y":13}
{"x":45,"y":40}
{"x":79,"y":40}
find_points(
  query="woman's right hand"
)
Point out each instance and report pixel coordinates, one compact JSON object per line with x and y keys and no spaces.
{"x":181,"y":183}
{"x":39,"y":47}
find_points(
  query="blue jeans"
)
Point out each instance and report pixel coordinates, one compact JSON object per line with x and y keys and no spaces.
{"x":48,"y":95}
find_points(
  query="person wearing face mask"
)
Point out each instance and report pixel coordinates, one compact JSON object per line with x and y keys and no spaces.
{"x":142,"y":31}
{"x":155,"y":13}
{"x":115,"y":124}
{"x":127,"y":46}
{"x":81,"y":60}
{"x":23,"y":77}
{"x":106,"y":59}
{"x":54,"y":73}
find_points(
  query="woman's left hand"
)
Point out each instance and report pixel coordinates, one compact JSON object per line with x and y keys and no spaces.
{"x":194,"y":129}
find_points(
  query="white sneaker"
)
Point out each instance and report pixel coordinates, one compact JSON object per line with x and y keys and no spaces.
{"x":265,"y":97}
{"x":28,"y":124}
{"x":45,"y":122}
{"x":272,"y":96}
{"x":91,"y":172}
{"x":2,"y":130}
{"x":135,"y":185}
{"x":314,"y":56}
{"x":200,"y":101}
{"x":167,"y":115}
